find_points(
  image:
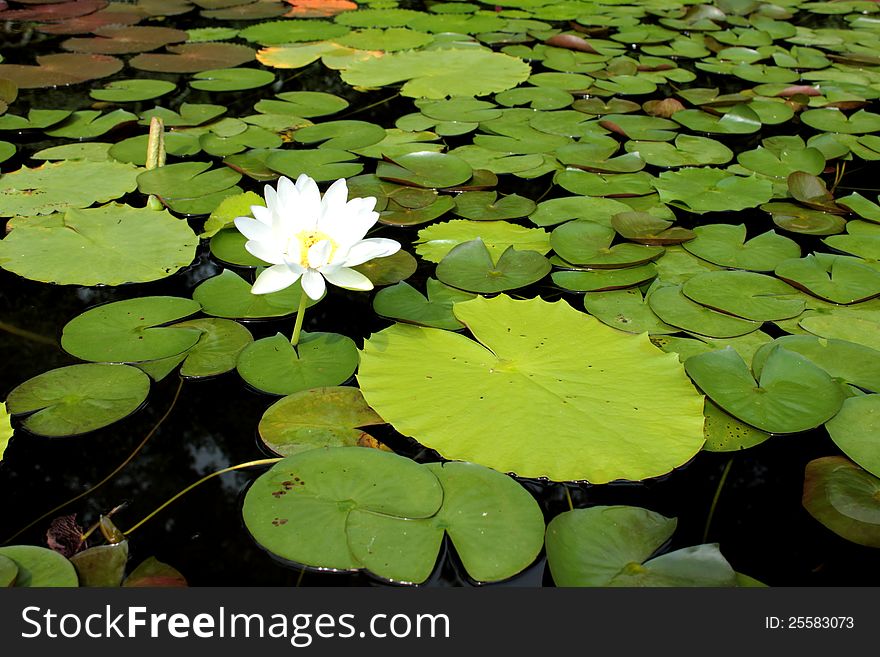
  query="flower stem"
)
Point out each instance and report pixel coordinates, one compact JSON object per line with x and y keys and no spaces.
{"x":300,"y":313}
{"x":232,"y":468}
{"x":721,"y":481}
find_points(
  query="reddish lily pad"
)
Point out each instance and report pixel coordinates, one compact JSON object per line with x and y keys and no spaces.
{"x":118,"y":40}
{"x":60,"y":70}
{"x":194,"y":58}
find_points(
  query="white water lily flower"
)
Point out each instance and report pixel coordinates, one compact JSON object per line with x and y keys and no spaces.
{"x":305,"y":236}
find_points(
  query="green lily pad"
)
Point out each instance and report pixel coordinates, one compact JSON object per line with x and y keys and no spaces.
{"x":108,"y":245}
{"x":36,"y":119}
{"x":129,"y":91}
{"x":541,"y":353}
{"x":131,"y":331}
{"x":612,"y":546}
{"x":215,"y":353}
{"x":674,"y":308}
{"x":389,"y":40}
{"x":426,"y":169}
{"x":557,"y":210}
{"x":469,"y":266}
{"x":102,"y":565}
{"x":76,"y":399}
{"x":839,"y":279}
{"x":8,"y":572}
{"x":89,"y":124}
{"x":134,"y":149}
{"x":494,"y":524}
{"x":292,"y":30}
{"x":5,"y":430}
{"x":707,"y":190}
{"x":485,"y":206}
{"x":626,"y":310}
{"x":595,"y":280}
{"x":791,"y":395}
{"x":739,"y":120}
{"x":689,"y":150}
{"x":803,"y":220}
{"x":342,"y":135}
{"x":539,"y":98}
{"x":274,"y":366}
{"x":225,"y":214}
{"x":153,"y":573}
{"x":40,"y":567}
{"x":439,"y":73}
{"x":862,"y":240}
{"x":854,"y":363}
{"x":57,"y":186}
{"x":389,"y":269}
{"x":812,"y":192}
{"x":189,"y":115}
{"x":395,"y":214}
{"x":321,"y":488}
{"x":724,"y":433}
{"x":437,"y":240}
{"x":231,"y":79}
{"x":863,"y":207}
{"x":7,"y":150}
{"x":844,"y":498}
{"x":645,"y":228}
{"x":745,"y":294}
{"x":404,"y":303}
{"x":854,"y":431}
{"x":589,"y":244}
{"x":595,"y":184}
{"x":319,"y":417}
{"x":321,"y":164}
{"x":780,"y":163}
{"x":229,"y":295}
{"x":184,"y":182}
{"x":726,"y":245}
{"x":228,"y":246}
{"x":95,"y":151}
{"x":833,"y":120}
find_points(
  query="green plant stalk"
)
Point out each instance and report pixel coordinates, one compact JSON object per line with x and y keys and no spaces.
{"x":110,"y":476}
{"x":177,"y":496}
{"x":300,"y":313}
{"x":721,"y":481}
{"x":155,"y":155}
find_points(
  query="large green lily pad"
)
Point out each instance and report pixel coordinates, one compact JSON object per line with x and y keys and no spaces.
{"x":546,"y":355}
{"x":707,"y":190}
{"x":588,"y":244}
{"x":855,"y":429}
{"x":494,"y":524}
{"x":318,"y":417}
{"x":274,"y":366}
{"x":791,"y":394}
{"x":57,"y":186}
{"x":440,"y":73}
{"x":40,"y":567}
{"x":845,"y":498}
{"x":109,"y":245}
{"x":726,"y":245}
{"x":835,"y":278}
{"x":300,"y":508}
{"x":745,"y":294}
{"x":78,"y":398}
{"x":612,"y":546}
{"x":625,"y":310}
{"x":131,"y":331}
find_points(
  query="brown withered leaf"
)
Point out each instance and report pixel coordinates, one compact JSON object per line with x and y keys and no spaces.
{"x":65,"y":536}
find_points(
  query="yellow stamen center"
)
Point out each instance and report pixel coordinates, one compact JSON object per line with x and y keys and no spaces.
{"x":307,"y":239}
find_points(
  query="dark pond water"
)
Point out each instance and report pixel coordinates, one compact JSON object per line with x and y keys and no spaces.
{"x":759,"y":521}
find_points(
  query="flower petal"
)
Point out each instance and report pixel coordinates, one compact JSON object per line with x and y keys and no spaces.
{"x":313,"y":284}
{"x":253,"y":229}
{"x":375,"y":247}
{"x":347,"y":278}
{"x":273,"y":279}
{"x":308,"y":207}
{"x":319,"y":254}
{"x":265,"y":251}
{"x":271,"y":197}
{"x":262,"y":214}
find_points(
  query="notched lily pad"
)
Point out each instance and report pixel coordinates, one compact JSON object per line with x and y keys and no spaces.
{"x":845,"y":498}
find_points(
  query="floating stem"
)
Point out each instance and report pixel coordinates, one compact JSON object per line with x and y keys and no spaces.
{"x":240,"y":466}
{"x":110,"y":476}
{"x":721,"y":481}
